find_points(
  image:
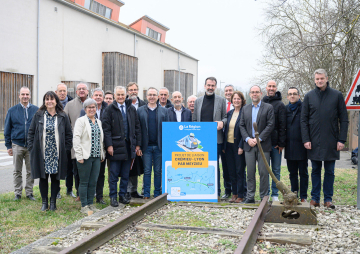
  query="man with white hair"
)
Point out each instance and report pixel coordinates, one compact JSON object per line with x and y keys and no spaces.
{"x":73,"y":109}
{"x":178,"y":113}
{"x":191,"y":103}
{"x":62,"y":93}
{"x":122,"y":136}
{"x":163,"y":100}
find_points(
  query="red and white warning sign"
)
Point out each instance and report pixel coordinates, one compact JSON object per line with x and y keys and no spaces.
{"x":352,"y":99}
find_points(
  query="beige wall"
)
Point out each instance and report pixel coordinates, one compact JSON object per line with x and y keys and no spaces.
{"x":71,"y":46}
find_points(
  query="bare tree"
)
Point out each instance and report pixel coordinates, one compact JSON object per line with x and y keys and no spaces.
{"x":303,"y":35}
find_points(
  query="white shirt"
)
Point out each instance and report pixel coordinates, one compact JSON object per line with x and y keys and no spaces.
{"x":98,"y":111}
{"x":152,"y":109}
{"x":136,"y":104}
{"x":231,"y":105}
{"x":119,"y":105}
{"x":178,"y":114}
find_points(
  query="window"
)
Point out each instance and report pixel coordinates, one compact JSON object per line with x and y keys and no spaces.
{"x":153,"y":34}
{"x":98,"y":8}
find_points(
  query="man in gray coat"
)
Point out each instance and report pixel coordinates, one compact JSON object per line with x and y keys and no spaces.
{"x":212,"y":108}
{"x":263,"y":114}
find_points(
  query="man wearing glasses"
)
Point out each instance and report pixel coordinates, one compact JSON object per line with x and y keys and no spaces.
{"x":263,"y":114}
{"x":132,"y":90}
{"x":295,"y":152}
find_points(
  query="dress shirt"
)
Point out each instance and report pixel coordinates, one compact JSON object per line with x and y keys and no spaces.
{"x":26,"y":109}
{"x":178,"y":114}
{"x":119,"y":105}
{"x":98,"y":111}
{"x":136,"y":104}
{"x":254,"y":113}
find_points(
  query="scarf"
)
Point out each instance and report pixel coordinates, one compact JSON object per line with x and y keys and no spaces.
{"x":294,"y":106}
{"x":64,"y":102}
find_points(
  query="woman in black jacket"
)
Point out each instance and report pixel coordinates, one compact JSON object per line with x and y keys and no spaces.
{"x":233,"y":147}
{"x":49,"y":139}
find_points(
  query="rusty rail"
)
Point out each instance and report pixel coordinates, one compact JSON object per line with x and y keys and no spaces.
{"x":108,"y":232}
{"x":251,"y":234}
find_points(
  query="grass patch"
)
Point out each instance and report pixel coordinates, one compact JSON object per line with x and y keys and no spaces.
{"x":1,"y":135}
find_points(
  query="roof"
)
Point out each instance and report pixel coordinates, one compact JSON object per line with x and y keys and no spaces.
{"x":121,"y":26}
{"x":117,"y":2}
{"x":152,"y":21}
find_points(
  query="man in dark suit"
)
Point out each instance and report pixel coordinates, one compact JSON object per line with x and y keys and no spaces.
{"x":178,"y":113}
{"x":263,"y":114}
{"x":122,"y":136}
{"x":212,"y":108}
{"x":132,"y":91}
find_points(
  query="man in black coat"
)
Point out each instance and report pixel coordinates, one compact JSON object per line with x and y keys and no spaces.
{"x":132,"y":91}
{"x":178,"y":113}
{"x":278,"y":135}
{"x":323,"y":111}
{"x":98,"y":96}
{"x":295,"y":152}
{"x":122,"y":136}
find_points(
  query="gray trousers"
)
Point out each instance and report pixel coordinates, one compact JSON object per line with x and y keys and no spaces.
{"x":132,"y":184}
{"x":19,"y":154}
{"x":251,"y":157}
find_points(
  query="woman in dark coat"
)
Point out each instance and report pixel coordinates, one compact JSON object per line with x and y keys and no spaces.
{"x":49,"y":139}
{"x":233,"y":147}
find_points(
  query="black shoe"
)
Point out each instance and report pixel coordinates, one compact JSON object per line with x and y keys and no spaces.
{"x":17,"y":197}
{"x":135,"y":194}
{"x":100,"y":201}
{"x":142,"y":191}
{"x":128,"y":195}
{"x":248,"y":201}
{"x":124,"y":200}
{"x":113,"y":202}
{"x":58,"y":196}
{"x":52,"y":204}
{"x":226,"y":196}
{"x":71,"y":194}
{"x":45,"y":204}
{"x":31,"y":197}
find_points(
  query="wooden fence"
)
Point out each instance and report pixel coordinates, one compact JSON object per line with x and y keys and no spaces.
{"x":10,"y":84}
{"x":171,"y":82}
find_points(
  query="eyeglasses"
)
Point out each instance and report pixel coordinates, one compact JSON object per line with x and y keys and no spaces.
{"x":253,"y":92}
{"x":133,"y":90}
{"x":152,"y":95}
{"x":82,"y":88}
{"x":291,"y":94}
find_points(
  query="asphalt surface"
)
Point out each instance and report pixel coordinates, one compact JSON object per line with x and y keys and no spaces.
{"x":6,"y":167}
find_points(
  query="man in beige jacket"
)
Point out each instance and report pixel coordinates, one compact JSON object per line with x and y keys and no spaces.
{"x":72,"y":109}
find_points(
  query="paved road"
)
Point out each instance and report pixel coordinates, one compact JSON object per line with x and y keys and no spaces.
{"x":6,"y":170}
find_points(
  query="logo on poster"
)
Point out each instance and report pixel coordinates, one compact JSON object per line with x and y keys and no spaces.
{"x":181,"y":127}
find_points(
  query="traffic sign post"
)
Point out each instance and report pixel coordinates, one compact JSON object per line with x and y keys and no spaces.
{"x":352,"y":99}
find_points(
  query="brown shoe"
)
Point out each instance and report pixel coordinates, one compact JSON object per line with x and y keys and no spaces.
{"x":239,"y":200}
{"x":77,"y":199}
{"x":329,"y":204}
{"x":146,"y":197}
{"x":313,"y":203}
{"x":303,"y":200}
{"x":234,"y":197}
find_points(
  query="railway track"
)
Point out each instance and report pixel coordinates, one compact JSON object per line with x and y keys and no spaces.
{"x":111,"y":230}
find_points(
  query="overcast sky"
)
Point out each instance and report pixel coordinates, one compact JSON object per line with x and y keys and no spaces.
{"x":221,"y":34}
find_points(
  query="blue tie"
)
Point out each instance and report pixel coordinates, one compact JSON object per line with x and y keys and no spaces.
{"x":123,"y":112}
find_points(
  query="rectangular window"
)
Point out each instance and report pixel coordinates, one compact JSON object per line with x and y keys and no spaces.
{"x":153,"y":34}
{"x":98,"y":8}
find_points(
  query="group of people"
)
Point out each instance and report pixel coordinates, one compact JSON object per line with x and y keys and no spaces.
{"x":76,"y":138}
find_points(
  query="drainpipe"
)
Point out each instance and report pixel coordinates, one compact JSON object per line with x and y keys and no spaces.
{"x":134,"y":45}
{"x":37,"y":54}
{"x":179,"y":69}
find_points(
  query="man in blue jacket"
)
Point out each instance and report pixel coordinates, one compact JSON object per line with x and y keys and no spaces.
{"x":17,"y":123}
{"x":178,"y":113}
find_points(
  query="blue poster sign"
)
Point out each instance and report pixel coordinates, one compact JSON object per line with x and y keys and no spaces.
{"x":189,"y":161}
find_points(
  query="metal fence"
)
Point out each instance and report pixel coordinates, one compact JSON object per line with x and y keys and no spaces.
{"x":10,"y":84}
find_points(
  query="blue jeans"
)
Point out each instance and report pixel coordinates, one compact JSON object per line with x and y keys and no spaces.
{"x":119,"y":168}
{"x":275,"y":159}
{"x":151,"y":156}
{"x":328,"y":184}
